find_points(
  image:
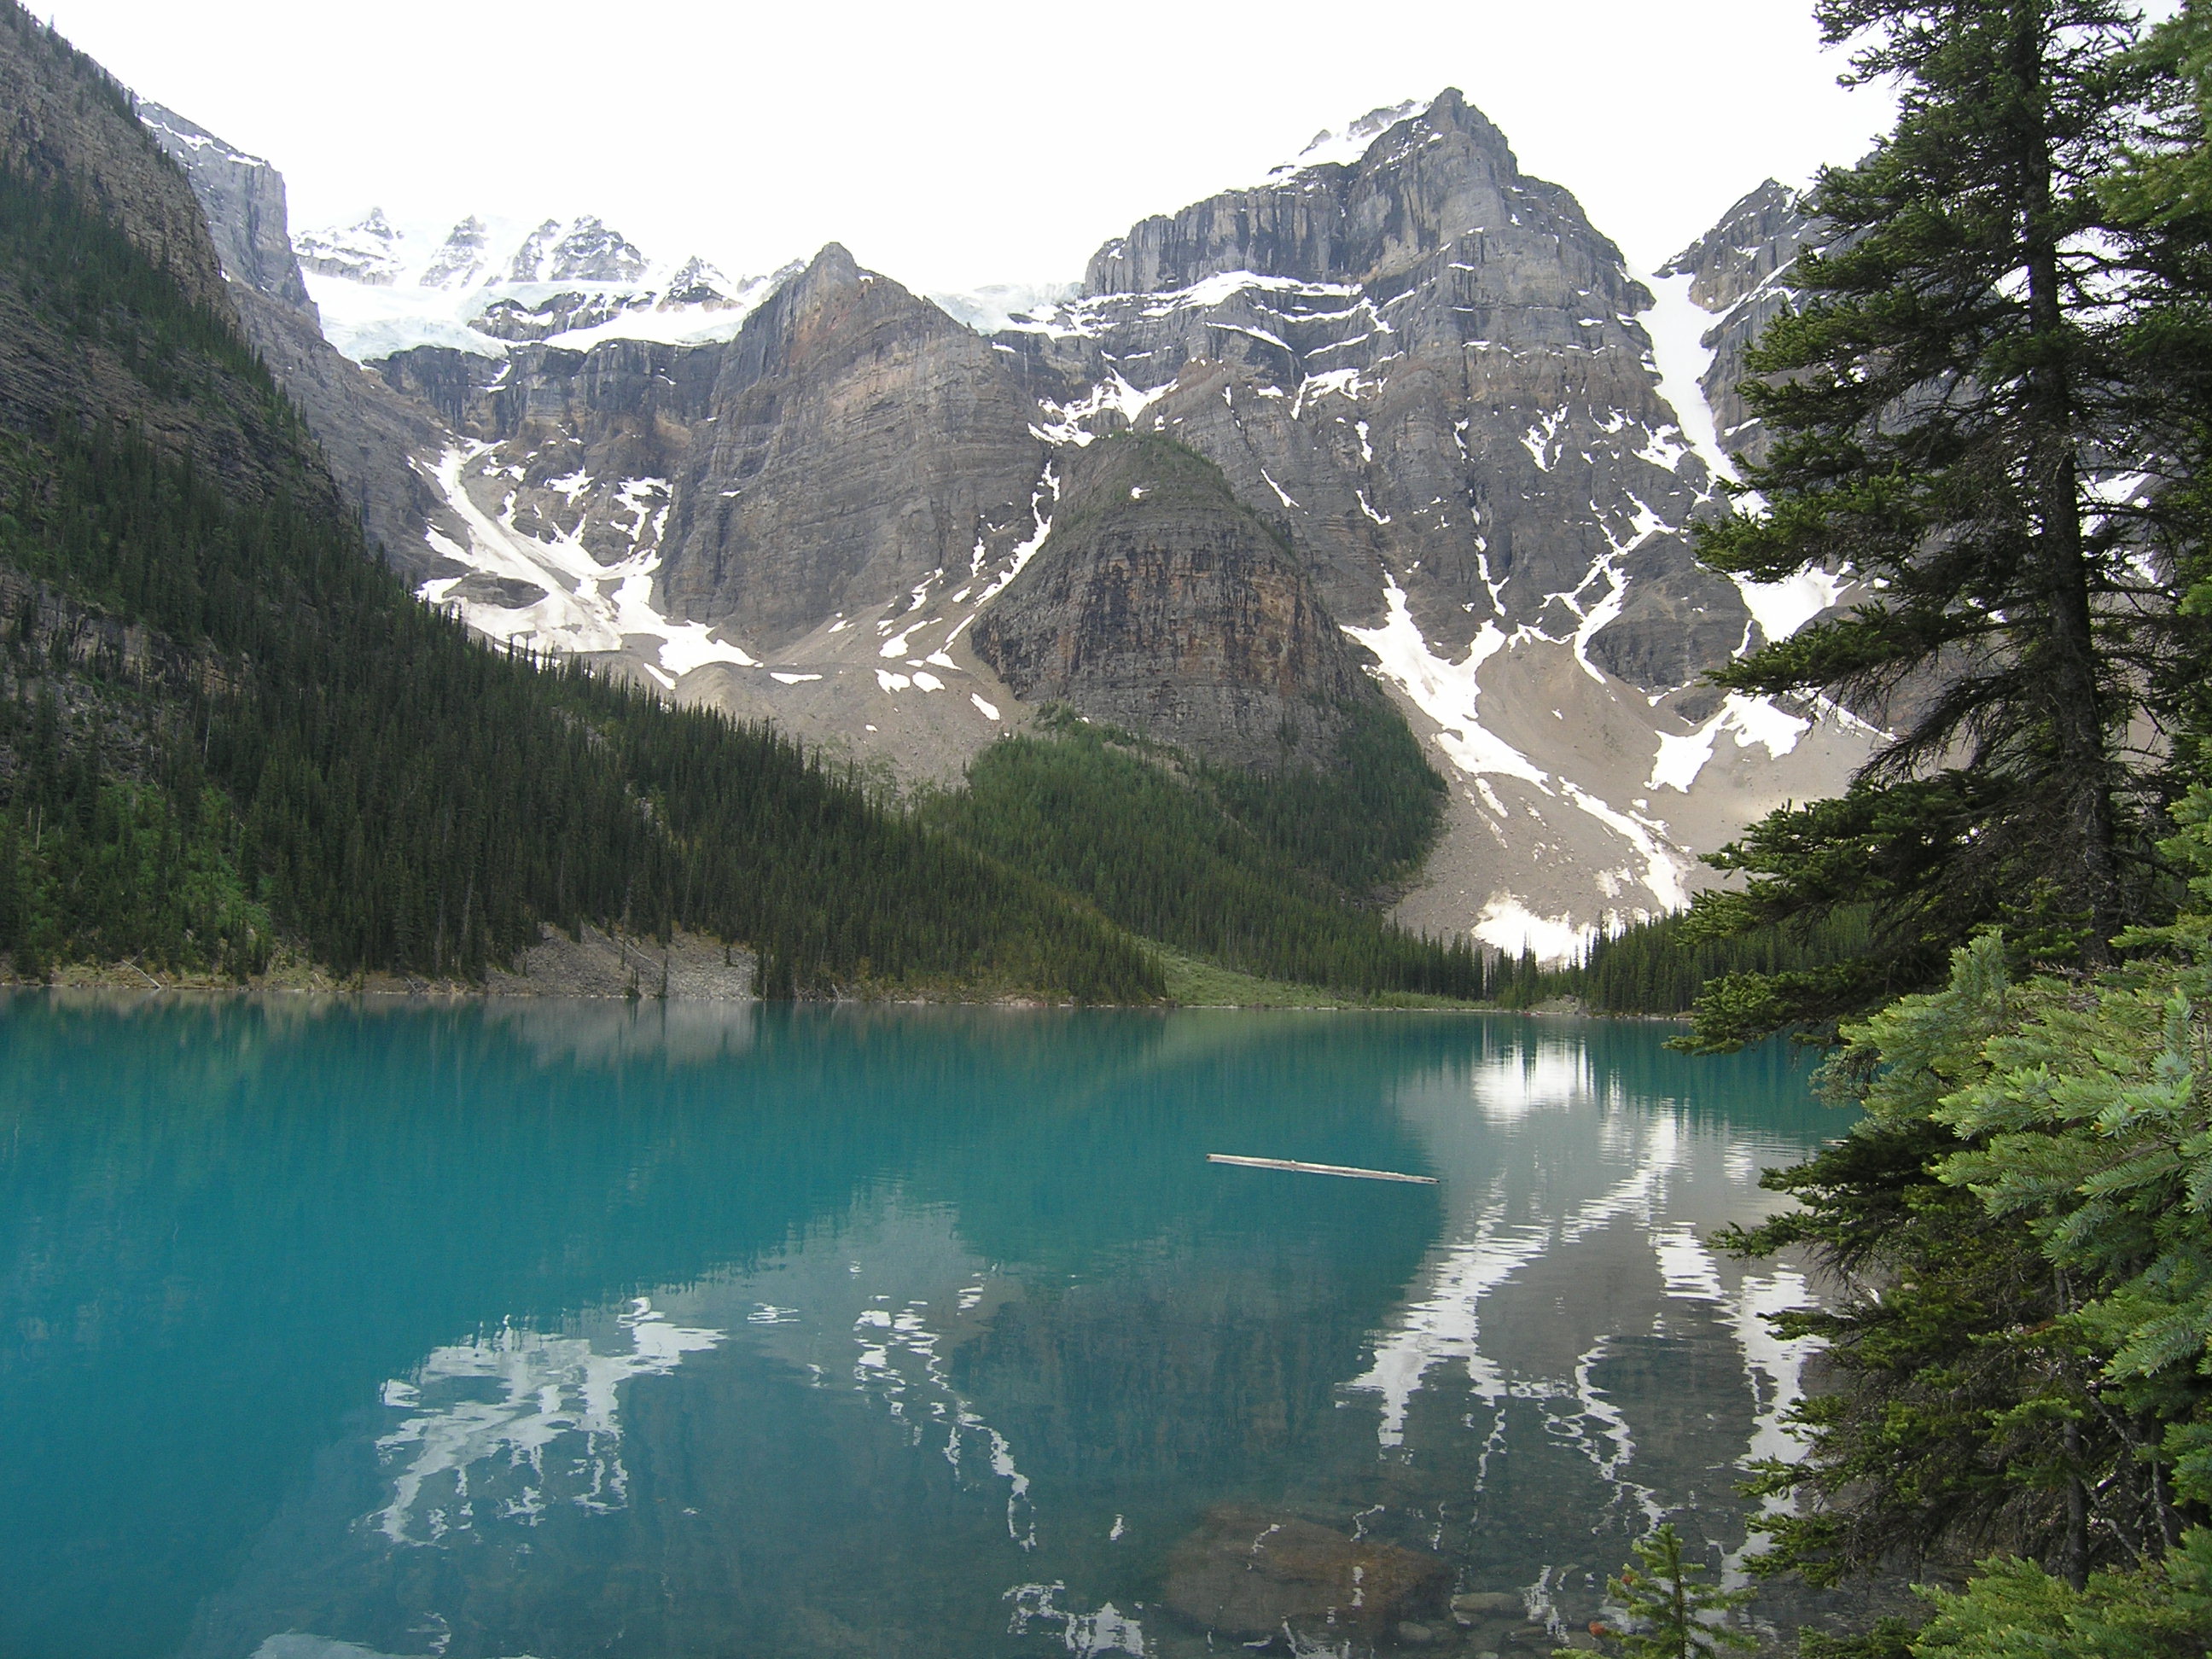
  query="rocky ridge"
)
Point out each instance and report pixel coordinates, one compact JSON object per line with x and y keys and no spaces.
{"x":1740,"y":271}
{"x":486,"y":285}
{"x":1477,"y":440}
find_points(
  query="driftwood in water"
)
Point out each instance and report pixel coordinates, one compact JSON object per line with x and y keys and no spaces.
{"x":1319,"y":1168}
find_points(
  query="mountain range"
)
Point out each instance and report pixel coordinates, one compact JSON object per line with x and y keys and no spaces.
{"x":1397,"y":424}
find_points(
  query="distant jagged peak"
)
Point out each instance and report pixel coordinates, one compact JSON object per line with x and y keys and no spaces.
{"x":1344,"y":147}
{"x":592,"y":252}
{"x":367,"y":252}
{"x":700,"y":283}
{"x":530,"y":259}
{"x":462,"y":258}
{"x":1761,"y":235}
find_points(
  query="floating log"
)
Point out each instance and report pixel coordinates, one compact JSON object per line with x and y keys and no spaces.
{"x":1293,"y":1165}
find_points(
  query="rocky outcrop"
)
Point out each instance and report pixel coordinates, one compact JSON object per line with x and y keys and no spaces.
{"x":63,"y":120}
{"x":243,"y":197}
{"x":1740,"y":271}
{"x":861,"y":442}
{"x":1162,"y":603}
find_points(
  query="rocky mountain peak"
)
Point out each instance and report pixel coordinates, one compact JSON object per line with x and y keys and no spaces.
{"x":698,"y":283}
{"x":367,"y":252}
{"x":1739,"y":271}
{"x":1754,"y":239}
{"x":462,"y":258}
{"x":1421,"y":182}
{"x":588,"y":252}
{"x":833,"y":263}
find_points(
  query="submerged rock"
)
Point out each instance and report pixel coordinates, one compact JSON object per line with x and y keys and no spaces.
{"x":1249,"y":1572}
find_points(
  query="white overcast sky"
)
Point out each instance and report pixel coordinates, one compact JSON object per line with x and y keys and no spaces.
{"x":954,"y":145}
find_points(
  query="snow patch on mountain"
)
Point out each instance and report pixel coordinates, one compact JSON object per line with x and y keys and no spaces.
{"x":1345,"y":147}
{"x":584,"y":606}
{"x":1680,"y":357}
{"x":1446,"y":692}
{"x":1751,"y":719}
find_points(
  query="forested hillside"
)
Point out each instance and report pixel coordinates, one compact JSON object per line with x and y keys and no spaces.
{"x":229,"y":726}
{"x":1265,"y":874}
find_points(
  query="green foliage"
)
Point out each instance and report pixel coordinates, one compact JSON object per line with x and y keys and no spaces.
{"x":1197,"y":858}
{"x":1671,"y":964}
{"x":1674,"y":1615}
{"x":2015,"y":1610}
{"x":2025,"y":1220}
{"x":1364,"y":826}
{"x":1889,"y":1638}
{"x":1980,"y":334}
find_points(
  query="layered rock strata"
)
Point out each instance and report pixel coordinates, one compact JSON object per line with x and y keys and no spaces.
{"x":1162,"y":603}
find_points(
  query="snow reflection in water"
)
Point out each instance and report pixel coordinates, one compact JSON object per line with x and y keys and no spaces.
{"x":515,"y":1419}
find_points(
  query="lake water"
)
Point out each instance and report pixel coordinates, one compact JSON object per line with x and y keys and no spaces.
{"x":564,"y":1329}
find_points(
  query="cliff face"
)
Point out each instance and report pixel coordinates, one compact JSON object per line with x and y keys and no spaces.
{"x":68,"y":123}
{"x":243,"y":199}
{"x":1161,"y":603}
{"x":863,"y":442}
{"x":370,"y":437}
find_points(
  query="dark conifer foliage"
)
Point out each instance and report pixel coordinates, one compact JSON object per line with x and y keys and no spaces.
{"x":1211,"y":863}
{"x":1962,"y":420}
{"x":1664,"y":966}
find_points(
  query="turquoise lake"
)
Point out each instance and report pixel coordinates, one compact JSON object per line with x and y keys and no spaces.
{"x":487,"y":1330}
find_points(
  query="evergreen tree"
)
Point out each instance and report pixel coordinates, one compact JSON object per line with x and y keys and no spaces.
{"x":1674,"y":1614}
{"x":1962,"y":418}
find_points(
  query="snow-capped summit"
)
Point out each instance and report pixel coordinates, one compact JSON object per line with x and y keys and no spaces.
{"x":368,"y":252}
{"x":582,"y":251}
{"x":489,"y":285}
{"x":1344,"y":147}
{"x":462,"y":260}
{"x":701,"y":284}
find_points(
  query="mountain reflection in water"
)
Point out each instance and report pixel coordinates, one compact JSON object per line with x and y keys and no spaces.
{"x":557,"y":1329}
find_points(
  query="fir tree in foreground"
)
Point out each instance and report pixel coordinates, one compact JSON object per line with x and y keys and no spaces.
{"x":1975,"y":413}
